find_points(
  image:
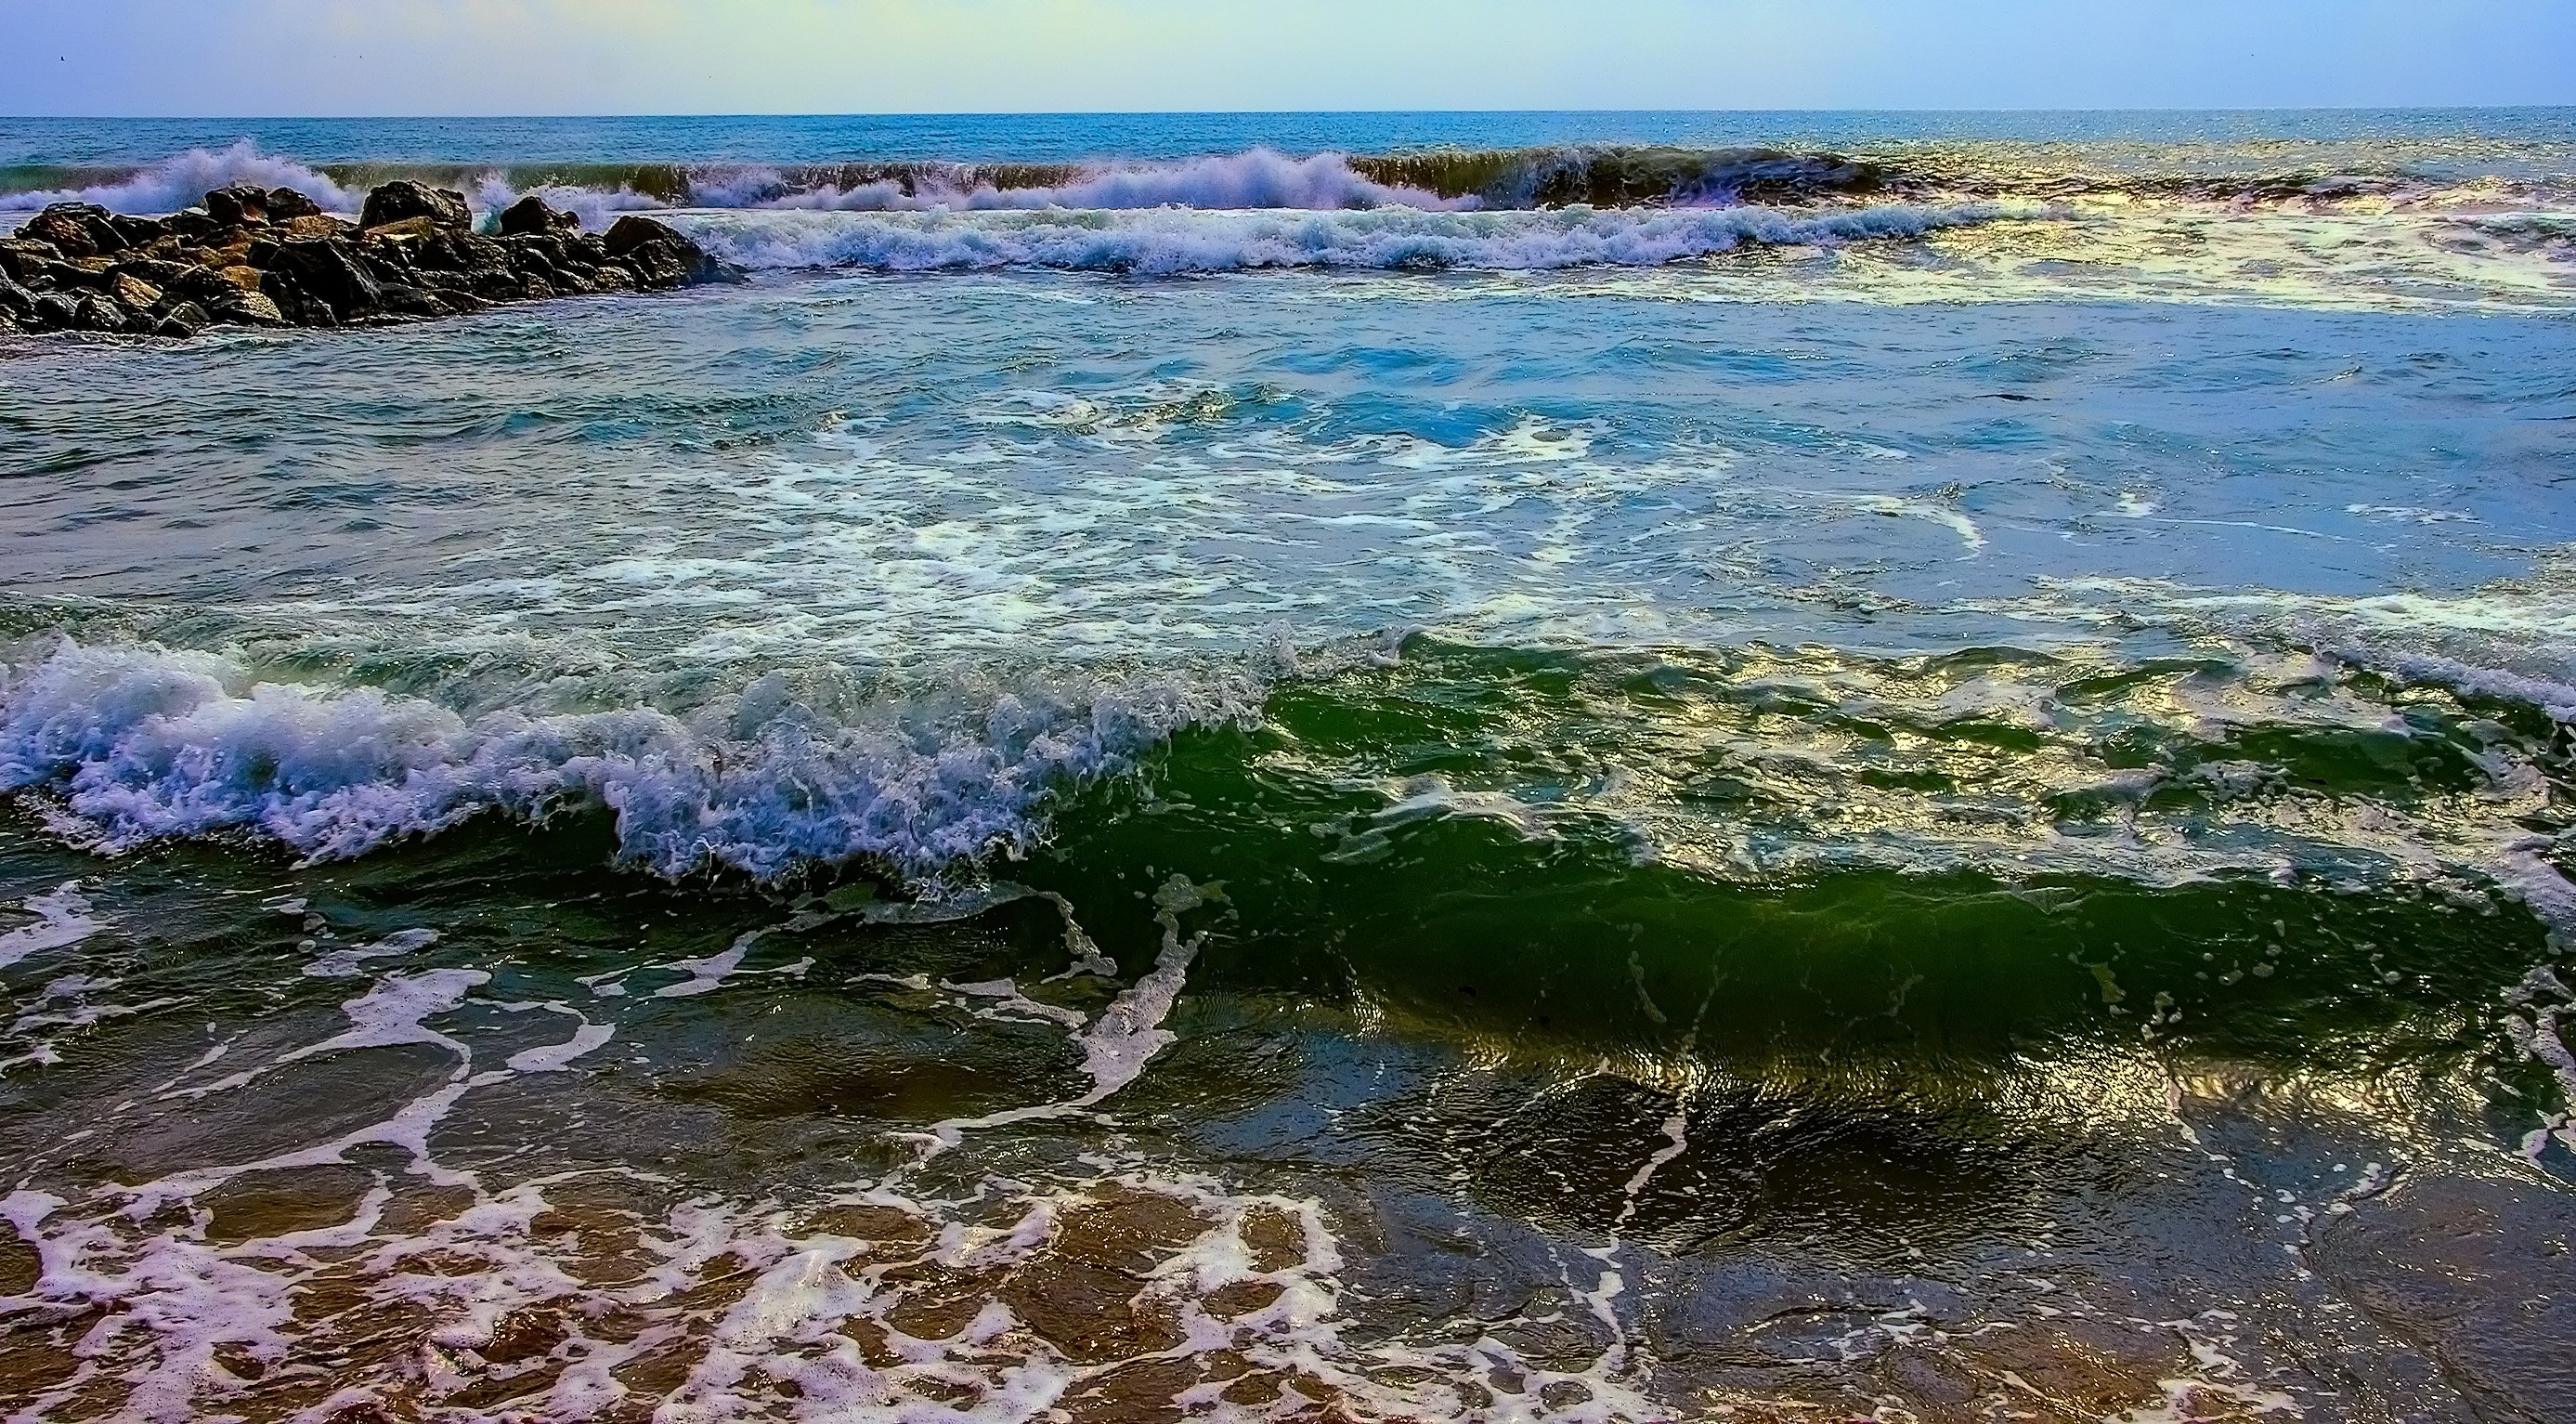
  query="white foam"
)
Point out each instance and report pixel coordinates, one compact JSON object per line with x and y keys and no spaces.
{"x":63,"y":919}
{"x":184,"y":180}
{"x":140,"y":742}
{"x":1170,"y":241}
{"x":1256,"y":178}
{"x":349,"y":962}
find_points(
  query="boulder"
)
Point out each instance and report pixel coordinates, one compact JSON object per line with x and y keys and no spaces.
{"x":242,"y":276}
{"x":96,"y":313}
{"x":192,"y":225}
{"x":23,"y":257}
{"x":183,"y":319}
{"x":286,"y":205}
{"x":132,"y":292}
{"x":660,"y":257}
{"x":75,"y":229}
{"x":404,"y":230}
{"x":533,"y":214}
{"x":393,"y":202}
{"x":247,"y":308}
{"x":17,"y":301}
{"x":412,"y":301}
{"x":312,"y":225}
{"x":328,"y":270}
{"x":137,"y":232}
{"x":54,"y":312}
{"x":241,"y":204}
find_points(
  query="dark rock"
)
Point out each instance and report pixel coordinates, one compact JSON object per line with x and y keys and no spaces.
{"x":97,"y":313}
{"x":330,"y":271}
{"x":159,"y":271}
{"x":631,"y":232}
{"x":393,"y":202}
{"x":137,"y":232}
{"x":238,"y":205}
{"x":660,"y":257}
{"x":286,"y":205}
{"x":609,"y":277}
{"x":54,"y":311}
{"x":17,"y":301}
{"x":412,"y":301}
{"x":533,"y":214}
{"x":184,"y":319}
{"x":193,"y":225}
{"x":23,"y":257}
{"x":77,"y":229}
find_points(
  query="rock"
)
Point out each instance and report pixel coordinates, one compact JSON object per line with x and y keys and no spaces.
{"x":137,"y":232}
{"x":54,"y":311}
{"x":660,"y":257}
{"x":17,"y":301}
{"x":159,"y":271}
{"x":23,"y":257}
{"x":242,"y":276}
{"x":76,"y":229}
{"x":532,"y":214}
{"x":192,"y":225}
{"x":631,"y":232}
{"x":411,"y":301}
{"x":329,"y":271}
{"x":184,"y":319}
{"x":132,"y":292}
{"x":286,"y":205}
{"x":405,"y":230}
{"x":247,"y":308}
{"x":313,"y":225}
{"x":241,"y":204}
{"x":97,"y":313}
{"x":393,"y":202}
{"x":613,"y":278}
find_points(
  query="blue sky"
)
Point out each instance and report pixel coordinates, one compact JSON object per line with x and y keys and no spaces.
{"x":290,"y":57}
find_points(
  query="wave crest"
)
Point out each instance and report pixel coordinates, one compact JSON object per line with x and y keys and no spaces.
{"x":1172,"y":242}
{"x":132,"y":744}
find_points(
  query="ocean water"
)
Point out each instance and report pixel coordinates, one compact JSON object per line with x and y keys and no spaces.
{"x":1348,"y":767}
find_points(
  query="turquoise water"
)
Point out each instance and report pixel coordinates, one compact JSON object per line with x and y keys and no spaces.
{"x":1253,"y":768}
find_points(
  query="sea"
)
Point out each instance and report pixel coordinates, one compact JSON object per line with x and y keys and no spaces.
{"x":1377,"y":768}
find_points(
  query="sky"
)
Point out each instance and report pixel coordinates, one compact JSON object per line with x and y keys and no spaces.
{"x":360,"y":57}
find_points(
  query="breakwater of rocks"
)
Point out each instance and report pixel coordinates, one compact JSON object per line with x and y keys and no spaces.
{"x":272,"y":257}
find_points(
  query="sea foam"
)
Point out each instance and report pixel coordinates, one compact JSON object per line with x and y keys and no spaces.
{"x":130,"y":744}
{"x":184,"y":179}
{"x":1174,"y":241}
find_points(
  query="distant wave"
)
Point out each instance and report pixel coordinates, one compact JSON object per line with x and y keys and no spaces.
{"x":1173,"y":242}
{"x":1255,"y":178}
{"x":1590,"y":175}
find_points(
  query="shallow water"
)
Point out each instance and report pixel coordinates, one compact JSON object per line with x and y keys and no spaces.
{"x":1943,"y":804}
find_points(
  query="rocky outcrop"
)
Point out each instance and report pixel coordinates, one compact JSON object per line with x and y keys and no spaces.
{"x":440,"y":208}
{"x":272,"y":257}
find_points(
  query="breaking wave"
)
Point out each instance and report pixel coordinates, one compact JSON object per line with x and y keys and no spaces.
{"x":1169,"y":242}
{"x":125,"y":745}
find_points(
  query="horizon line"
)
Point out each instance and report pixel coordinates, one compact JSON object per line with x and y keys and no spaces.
{"x":1259,"y":113}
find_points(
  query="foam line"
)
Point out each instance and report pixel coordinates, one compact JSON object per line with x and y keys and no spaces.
{"x":1174,"y":241}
